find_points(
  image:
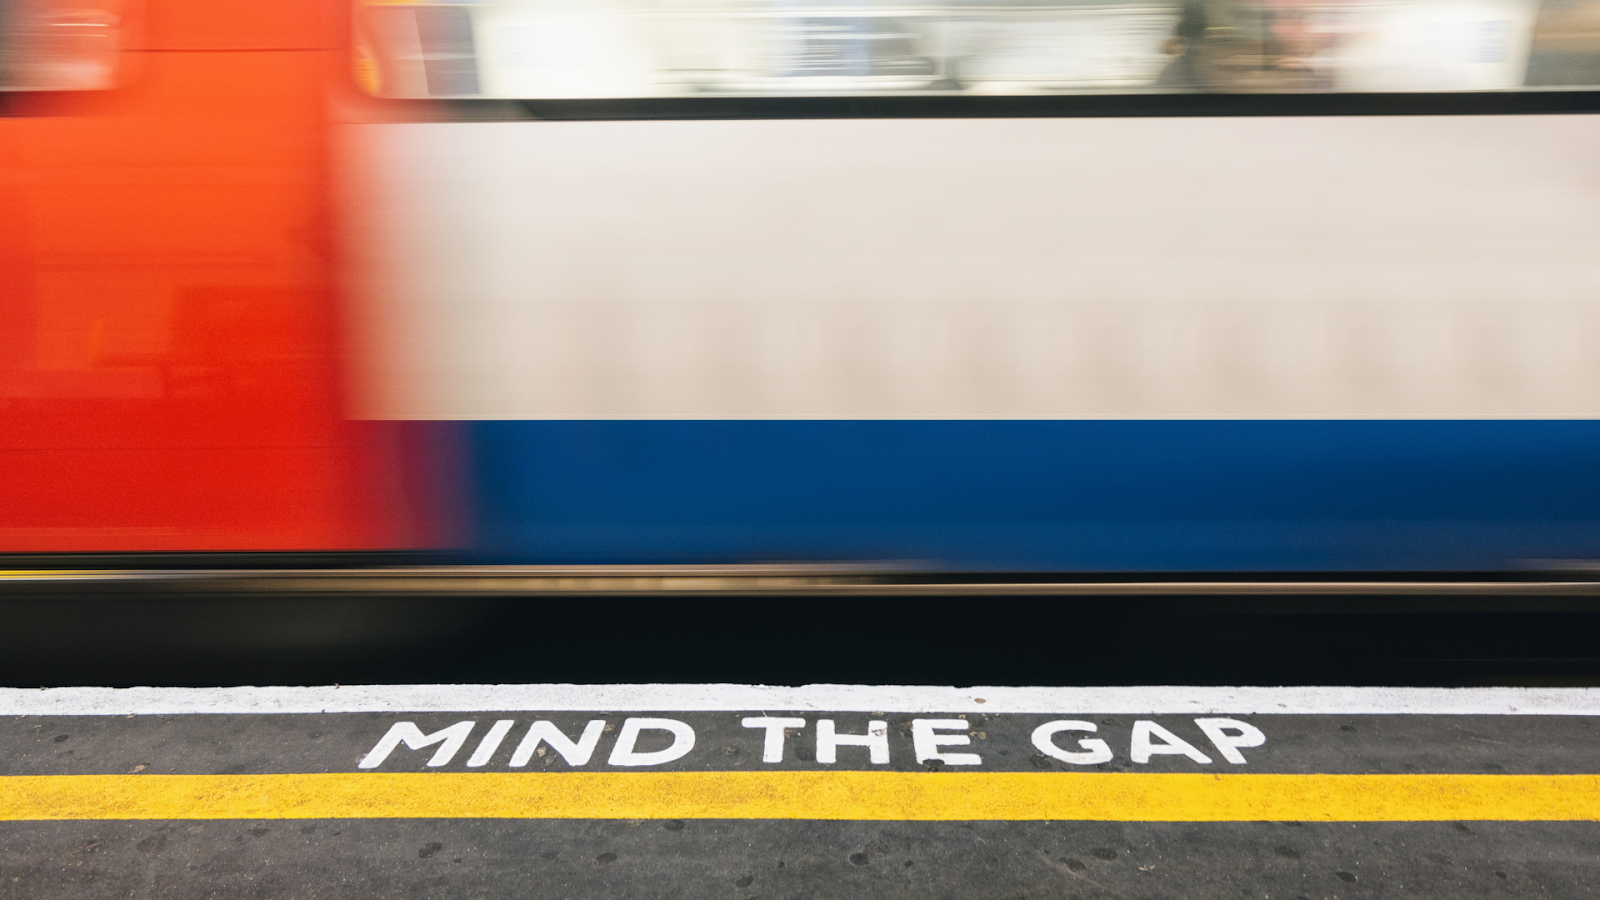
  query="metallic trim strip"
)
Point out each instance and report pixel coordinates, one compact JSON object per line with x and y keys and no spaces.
{"x":814,"y":580}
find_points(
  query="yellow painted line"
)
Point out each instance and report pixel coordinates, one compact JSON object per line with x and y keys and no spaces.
{"x":806,"y":795}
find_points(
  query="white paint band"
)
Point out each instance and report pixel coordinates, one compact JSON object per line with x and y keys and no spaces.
{"x":90,"y":701}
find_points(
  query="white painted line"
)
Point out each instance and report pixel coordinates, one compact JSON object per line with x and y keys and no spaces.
{"x":88,"y":701}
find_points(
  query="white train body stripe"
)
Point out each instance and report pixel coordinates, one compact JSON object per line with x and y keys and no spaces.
{"x":1199,"y":267}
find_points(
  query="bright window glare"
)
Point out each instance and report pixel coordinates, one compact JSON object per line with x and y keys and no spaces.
{"x":554,"y":49}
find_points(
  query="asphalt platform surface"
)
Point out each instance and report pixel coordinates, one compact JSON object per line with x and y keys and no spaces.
{"x":743,"y":792}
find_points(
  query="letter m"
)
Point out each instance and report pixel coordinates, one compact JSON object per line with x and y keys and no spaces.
{"x":409,"y":734}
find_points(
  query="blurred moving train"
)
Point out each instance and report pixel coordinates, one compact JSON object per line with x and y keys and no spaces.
{"x":1066,"y":287}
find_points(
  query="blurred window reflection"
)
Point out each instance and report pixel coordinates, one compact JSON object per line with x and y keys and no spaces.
{"x":59,"y":45}
{"x":549,"y":49}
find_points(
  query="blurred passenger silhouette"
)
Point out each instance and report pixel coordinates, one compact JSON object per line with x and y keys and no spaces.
{"x":1224,"y":45}
{"x":1184,"y":47}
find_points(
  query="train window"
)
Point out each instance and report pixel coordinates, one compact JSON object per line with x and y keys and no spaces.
{"x":60,"y":45}
{"x":594,"y":49}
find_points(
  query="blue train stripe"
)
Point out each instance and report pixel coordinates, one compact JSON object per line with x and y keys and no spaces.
{"x":1042,"y":495}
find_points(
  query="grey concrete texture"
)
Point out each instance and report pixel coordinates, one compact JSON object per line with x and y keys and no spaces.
{"x":793,"y":860}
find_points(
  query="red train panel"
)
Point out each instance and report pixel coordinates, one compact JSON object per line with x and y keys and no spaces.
{"x":168,"y":374}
